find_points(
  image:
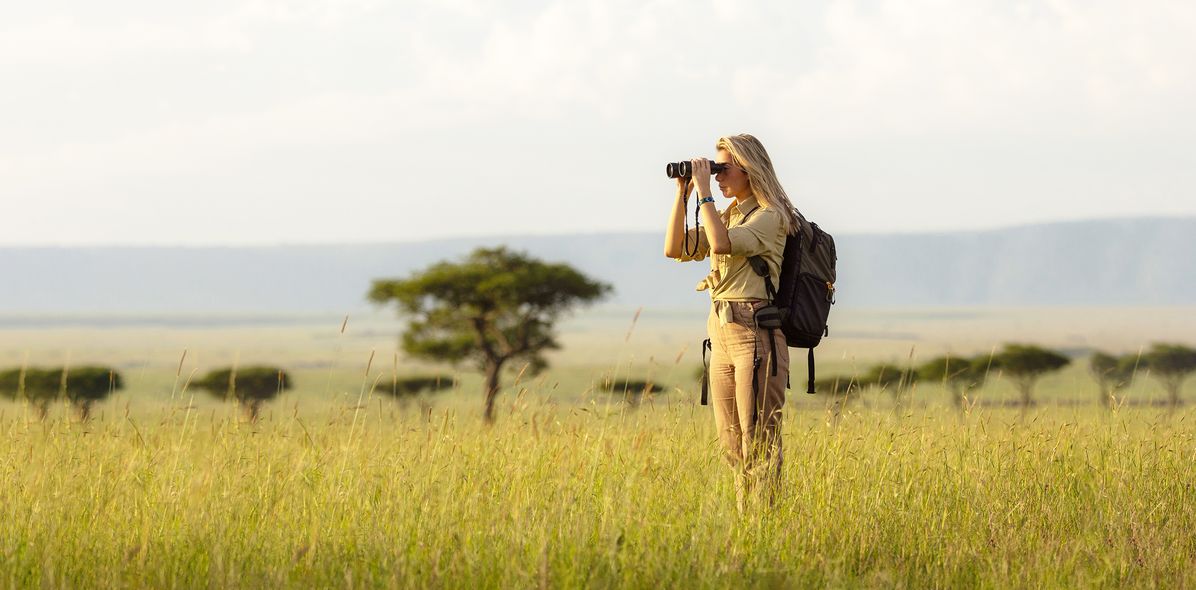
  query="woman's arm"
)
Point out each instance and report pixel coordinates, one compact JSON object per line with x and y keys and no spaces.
{"x":716,"y":230}
{"x":675,"y":232}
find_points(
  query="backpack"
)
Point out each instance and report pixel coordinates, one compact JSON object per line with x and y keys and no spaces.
{"x":802,"y":302}
{"x":806,"y":291}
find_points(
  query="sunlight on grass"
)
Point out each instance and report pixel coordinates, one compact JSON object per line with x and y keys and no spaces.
{"x":598,"y":495}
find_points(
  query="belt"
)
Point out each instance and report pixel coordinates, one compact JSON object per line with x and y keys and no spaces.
{"x":722,"y":309}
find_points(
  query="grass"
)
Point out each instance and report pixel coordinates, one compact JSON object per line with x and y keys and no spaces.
{"x":340,"y":486}
{"x":597,"y":496}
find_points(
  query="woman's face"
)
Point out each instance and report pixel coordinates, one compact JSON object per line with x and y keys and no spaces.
{"x":733,"y":182}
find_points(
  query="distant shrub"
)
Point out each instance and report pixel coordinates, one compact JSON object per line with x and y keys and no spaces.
{"x":250,"y":387}
{"x":886,"y":376}
{"x":10,"y":382}
{"x":1025,"y":364}
{"x":958,"y":374}
{"x":81,"y":386}
{"x":840,"y":386}
{"x":1171,"y":364}
{"x":88,"y":385}
{"x":631,"y":390}
{"x":410,"y":386}
{"x":1112,"y":374}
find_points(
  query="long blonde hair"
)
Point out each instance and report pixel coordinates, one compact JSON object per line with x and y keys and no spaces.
{"x":748,"y":153}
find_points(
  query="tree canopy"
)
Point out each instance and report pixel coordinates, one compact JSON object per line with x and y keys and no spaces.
{"x":81,"y":386}
{"x":410,"y":386}
{"x":1171,"y":364}
{"x":250,"y":386}
{"x":494,"y":307}
{"x":631,"y":391}
{"x":959,"y":374}
{"x":90,"y":384}
{"x":1025,"y":364}
{"x":1112,"y":373}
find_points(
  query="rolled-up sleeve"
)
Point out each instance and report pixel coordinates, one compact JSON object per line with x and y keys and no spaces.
{"x":757,"y":235}
{"x":694,"y":235}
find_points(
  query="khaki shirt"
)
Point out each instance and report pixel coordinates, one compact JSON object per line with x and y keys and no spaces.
{"x":731,"y":278}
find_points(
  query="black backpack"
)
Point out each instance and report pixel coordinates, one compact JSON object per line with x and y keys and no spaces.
{"x":802,"y":302}
{"x":806,"y":290}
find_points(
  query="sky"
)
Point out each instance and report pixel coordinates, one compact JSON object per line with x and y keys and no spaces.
{"x":231,"y":122}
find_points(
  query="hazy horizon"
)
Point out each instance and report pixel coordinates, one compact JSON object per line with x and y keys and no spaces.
{"x":551,"y":234}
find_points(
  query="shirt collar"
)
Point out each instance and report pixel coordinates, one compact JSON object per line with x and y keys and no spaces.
{"x":747,"y":205}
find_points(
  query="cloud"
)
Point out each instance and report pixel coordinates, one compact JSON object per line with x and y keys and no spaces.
{"x":65,"y":42}
{"x":217,"y":97}
{"x":928,"y":67}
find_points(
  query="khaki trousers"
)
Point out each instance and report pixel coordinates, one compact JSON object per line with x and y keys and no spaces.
{"x":749,"y":429}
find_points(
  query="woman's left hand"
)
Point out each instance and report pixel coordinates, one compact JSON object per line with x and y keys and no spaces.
{"x":701,"y":175}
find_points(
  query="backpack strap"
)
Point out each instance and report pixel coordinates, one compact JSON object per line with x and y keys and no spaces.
{"x":756,"y":405}
{"x":810,"y":363}
{"x":759,"y":265}
{"x":706,"y":372}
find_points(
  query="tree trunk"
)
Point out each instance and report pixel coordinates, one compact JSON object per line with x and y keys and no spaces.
{"x":250,"y":409}
{"x":42,"y":408}
{"x":83,"y":410}
{"x":1109,"y":397}
{"x":1173,"y":392}
{"x":493,"y":369}
{"x":1026,"y":387}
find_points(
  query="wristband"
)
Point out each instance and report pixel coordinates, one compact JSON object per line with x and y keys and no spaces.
{"x":704,"y":200}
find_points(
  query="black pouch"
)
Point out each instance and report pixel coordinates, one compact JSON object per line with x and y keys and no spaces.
{"x":768,"y":317}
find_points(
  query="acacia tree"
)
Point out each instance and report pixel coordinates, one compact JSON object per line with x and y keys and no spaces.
{"x":896,"y":380}
{"x":492,"y":308}
{"x":631,"y":391}
{"x":40,"y":387}
{"x":1171,"y":364}
{"x":12,"y":383}
{"x":1112,"y":374}
{"x":411,"y":386}
{"x":892,"y":378}
{"x":1025,"y":364}
{"x":81,"y":386}
{"x":84,"y":386}
{"x":842,"y":388}
{"x":957,"y":374}
{"x":250,"y":387}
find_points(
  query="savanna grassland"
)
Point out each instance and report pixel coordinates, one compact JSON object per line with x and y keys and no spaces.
{"x":340,"y":485}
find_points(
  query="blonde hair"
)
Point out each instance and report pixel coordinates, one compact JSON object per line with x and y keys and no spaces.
{"x":748,"y":153}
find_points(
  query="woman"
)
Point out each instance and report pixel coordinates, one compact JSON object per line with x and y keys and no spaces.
{"x":746,"y":414}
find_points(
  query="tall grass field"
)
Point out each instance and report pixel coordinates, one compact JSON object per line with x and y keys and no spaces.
{"x":339,"y":485}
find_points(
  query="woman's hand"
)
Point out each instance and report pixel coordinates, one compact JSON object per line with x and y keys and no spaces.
{"x":701,"y":175}
{"x":685,"y":185}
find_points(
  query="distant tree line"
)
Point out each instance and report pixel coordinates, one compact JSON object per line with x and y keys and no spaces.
{"x":82,"y":387}
{"x":249,"y":387}
{"x":1024,"y":365}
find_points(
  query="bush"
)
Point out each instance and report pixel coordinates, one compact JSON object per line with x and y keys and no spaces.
{"x":631,"y":390}
{"x":81,"y":386}
{"x":250,"y":387}
{"x":411,"y":386}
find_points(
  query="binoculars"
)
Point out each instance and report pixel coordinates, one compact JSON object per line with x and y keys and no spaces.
{"x":685,"y":169}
